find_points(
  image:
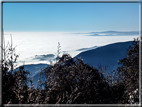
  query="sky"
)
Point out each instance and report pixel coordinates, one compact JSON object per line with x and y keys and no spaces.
{"x":70,"y":17}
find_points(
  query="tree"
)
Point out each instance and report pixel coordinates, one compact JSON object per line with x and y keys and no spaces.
{"x":129,"y":70}
{"x":14,"y":83}
{"x":8,"y":59}
{"x":72,"y":81}
{"x":58,"y":52}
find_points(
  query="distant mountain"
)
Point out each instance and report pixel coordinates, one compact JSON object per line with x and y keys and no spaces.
{"x":34,"y":69}
{"x":120,"y":32}
{"x":35,"y":79}
{"x":111,"y":33}
{"x":106,"y":55}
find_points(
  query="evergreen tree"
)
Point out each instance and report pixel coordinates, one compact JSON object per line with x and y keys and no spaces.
{"x":129,"y":70}
{"x":14,"y":83}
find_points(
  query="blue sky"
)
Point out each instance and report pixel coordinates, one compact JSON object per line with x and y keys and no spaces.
{"x":70,"y":17}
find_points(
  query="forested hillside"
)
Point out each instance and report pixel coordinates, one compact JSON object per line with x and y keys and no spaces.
{"x":72,"y":81}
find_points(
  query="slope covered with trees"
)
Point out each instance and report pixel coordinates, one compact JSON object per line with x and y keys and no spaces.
{"x":71,"y":81}
{"x":129,"y":72}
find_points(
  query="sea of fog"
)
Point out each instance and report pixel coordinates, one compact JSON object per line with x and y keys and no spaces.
{"x":41,"y":47}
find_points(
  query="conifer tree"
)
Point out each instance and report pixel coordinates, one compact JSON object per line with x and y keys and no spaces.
{"x":129,"y":70}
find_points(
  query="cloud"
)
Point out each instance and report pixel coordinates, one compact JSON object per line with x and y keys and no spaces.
{"x":44,"y":57}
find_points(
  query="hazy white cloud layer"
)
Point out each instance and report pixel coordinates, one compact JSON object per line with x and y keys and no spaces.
{"x":33,"y":47}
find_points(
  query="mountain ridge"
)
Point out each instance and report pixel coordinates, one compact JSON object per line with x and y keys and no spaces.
{"x":102,"y":55}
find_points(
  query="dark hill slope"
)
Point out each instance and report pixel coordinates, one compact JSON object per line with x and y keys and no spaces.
{"x":106,"y":55}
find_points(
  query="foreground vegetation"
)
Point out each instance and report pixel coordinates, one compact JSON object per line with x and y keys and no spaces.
{"x":71,"y":81}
